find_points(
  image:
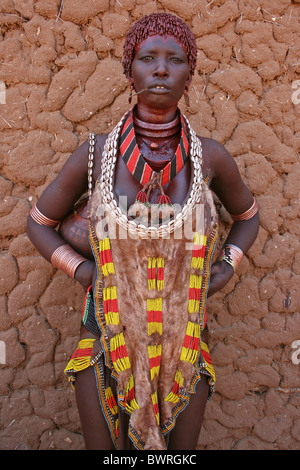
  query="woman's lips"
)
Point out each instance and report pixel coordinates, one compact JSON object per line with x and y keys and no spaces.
{"x":159,"y":89}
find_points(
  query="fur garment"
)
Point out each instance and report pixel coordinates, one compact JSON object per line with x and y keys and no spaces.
{"x":130,"y":258}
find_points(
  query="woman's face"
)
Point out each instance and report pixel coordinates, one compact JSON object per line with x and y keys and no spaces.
{"x":161,"y":66}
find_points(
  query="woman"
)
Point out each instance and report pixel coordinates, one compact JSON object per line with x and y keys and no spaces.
{"x":142,"y":371}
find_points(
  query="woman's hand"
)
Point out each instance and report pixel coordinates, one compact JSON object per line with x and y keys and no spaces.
{"x":84,"y":273}
{"x":221,"y":273}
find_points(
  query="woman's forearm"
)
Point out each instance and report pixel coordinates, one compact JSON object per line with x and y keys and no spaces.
{"x":55,"y":250}
{"x":243,"y":233}
{"x":45,"y":239}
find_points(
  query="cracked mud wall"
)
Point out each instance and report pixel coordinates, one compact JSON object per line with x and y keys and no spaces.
{"x":61,"y":77}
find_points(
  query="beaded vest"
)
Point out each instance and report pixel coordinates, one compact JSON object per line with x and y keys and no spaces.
{"x":150,"y":300}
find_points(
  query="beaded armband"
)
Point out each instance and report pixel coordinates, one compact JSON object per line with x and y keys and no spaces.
{"x":66,"y":259}
{"x":247,"y":214}
{"x":232,"y":254}
{"x":41,"y":219}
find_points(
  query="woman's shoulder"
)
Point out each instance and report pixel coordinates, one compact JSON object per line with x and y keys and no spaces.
{"x":215,"y":156}
{"x":212,"y":148}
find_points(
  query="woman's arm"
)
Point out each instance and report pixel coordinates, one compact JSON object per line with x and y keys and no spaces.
{"x":55,"y":203}
{"x":237,"y":199}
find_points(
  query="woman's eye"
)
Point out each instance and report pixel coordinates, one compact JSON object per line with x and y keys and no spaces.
{"x":176,"y":60}
{"x":147,"y":58}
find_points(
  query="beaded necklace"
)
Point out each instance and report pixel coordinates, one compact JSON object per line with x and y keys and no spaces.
{"x":140,"y":168}
{"x":106,"y":183}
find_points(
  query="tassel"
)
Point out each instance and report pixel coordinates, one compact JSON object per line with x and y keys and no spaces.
{"x":156,"y":279}
{"x":118,"y":353}
{"x":129,"y":398}
{"x":194,"y":293}
{"x":173,"y":396}
{"x":110,"y":304}
{"x":163,"y":199}
{"x":155,"y":406}
{"x":160,"y":273}
{"x":198,"y":251}
{"x":190,"y":347}
{"x":81,"y":358}
{"x":154,"y":353}
{"x":154,"y":308}
{"x":151,"y":273}
{"x":208,"y":362}
{"x":111,"y":401}
{"x":142,"y":198}
{"x":164,"y":209}
{"x":106,"y":257}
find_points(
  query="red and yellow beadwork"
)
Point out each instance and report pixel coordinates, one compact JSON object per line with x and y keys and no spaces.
{"x":130,"y":402}
{"x":118,"y":353}
{"x":155,"y":406}
{"x":198,"y":251}
{"x":107,"y":264}
{"x":154,"y":352}
{"x":110,"y":304}
{"x":173,"y":396}
{"x":156,"y":267}
{"x":190,"y":348}
{"x":154,"y":309}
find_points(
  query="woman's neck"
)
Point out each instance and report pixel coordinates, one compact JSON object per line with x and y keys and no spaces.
{"x":155,"y":115}
{"x":157,"y":141}
{"x":156,"y":131}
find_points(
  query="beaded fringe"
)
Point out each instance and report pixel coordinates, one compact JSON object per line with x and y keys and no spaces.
{"x":106,"y":257}
{"x":173,"y":396}
{"x":189,"y":352}
{"x":80,"y":359}
{"x":118,"y":353}
{"x":154,"y":352}
{"x":130,"y":402}
{"x":156,"y":273}
{"x":154,"y":308}
{"x":110,"y":304}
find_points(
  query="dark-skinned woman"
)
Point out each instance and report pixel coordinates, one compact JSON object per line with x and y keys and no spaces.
{"x":142,"y":371}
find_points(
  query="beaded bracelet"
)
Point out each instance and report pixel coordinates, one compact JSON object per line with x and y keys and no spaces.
{"x":247,"y":214}
{"x":66,"y":259}
{"x":232,"y":254}
{"x":41,"y":219}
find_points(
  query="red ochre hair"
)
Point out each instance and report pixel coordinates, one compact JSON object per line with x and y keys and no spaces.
{"x":161,"y":24}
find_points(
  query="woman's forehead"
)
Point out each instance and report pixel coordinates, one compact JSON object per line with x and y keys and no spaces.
{"x":158,"y":41}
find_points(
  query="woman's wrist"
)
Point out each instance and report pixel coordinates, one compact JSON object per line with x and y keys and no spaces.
{"x":232,"y":255}
{"x":84,"y":273}
{"x":66,"y":259}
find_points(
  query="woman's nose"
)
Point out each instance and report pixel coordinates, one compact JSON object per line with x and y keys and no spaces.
{"x":161,"y":69}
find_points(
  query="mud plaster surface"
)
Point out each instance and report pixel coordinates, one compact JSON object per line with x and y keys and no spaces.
{"x":60,"y":63}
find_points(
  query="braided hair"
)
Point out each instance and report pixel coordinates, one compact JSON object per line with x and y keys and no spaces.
{"x":162,"y":24}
